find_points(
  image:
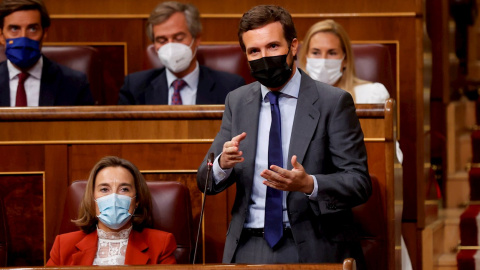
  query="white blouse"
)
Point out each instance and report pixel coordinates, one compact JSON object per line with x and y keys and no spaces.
{"x":112,"y":247}
{"x":370,"y":93}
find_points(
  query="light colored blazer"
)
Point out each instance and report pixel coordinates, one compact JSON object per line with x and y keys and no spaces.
{"x":328,"y":141}
{"x":146,"y":247}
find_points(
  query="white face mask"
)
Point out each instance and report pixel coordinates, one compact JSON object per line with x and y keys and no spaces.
{"x":175,"y":56}
{"x":325,"y":70}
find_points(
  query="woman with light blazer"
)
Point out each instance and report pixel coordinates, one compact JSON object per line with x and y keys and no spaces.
{"x":326,"y":55}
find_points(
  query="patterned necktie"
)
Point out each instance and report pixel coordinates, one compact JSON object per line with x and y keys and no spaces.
{"x":21,"y":99}
{"x":273,"y":202}
{"x":177,"y":86}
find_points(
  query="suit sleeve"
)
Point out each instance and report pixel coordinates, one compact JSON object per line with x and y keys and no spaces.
{"x":85,"y":95}
{"x":55,"y":253}
{"x":169,"y":247}
{"x":350,"y":184}
{"x":223,"y":136}
{"x":239,"y":82}
{"x":125,"y":95}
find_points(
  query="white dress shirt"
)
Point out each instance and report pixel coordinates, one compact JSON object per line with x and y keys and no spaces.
{"x":32,"y":83}
{"x":287,"y":105}
{"x":189,"y":91}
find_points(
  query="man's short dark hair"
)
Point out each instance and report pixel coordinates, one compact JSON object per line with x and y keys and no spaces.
{"x":262,"y":15}
{"x":8,"y":7}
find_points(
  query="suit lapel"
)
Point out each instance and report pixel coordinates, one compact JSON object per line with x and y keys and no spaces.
{"x":87,"y":248}
{"x":305,"y":121}
{"x":205,"y":86}
{"x":4,"y":85}
{"x":157,"y":91}
{"x":249,"y":124}
{"x":48,"y":83}
{"x":136,"y":249}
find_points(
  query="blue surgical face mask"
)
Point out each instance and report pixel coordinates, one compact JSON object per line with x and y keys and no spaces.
{"x":114,"y":210}
{"x":23,"y":52}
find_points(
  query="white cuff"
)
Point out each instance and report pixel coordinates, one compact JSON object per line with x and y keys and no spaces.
{"x":313,"y":196}
{"x":220,"y":174}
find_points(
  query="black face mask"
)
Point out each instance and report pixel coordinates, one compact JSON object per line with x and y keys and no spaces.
{"x":271,"y":71}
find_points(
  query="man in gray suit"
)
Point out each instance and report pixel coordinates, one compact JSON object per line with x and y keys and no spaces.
{"x":289,"y":135}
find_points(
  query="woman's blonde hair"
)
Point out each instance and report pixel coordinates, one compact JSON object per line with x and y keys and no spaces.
{"x":349,"y":78}
{"x":87,"y":219}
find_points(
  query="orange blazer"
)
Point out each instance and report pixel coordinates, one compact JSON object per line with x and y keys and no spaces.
{"x":146,"y":247}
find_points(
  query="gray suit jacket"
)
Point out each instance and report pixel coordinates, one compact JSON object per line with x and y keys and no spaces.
{"x":328,"y":141}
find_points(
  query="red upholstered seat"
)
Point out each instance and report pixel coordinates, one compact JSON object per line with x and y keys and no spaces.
{"x":476,"y":145}
{"x":474,"y":181}
{"x":81,"y":58}
{"x":371,"y":220}
{"x":468,"y":226}
{"x":373,"y":63}
{"x":228,"y":58}
{"x":465,"y":260}
{"x":171,"y":212}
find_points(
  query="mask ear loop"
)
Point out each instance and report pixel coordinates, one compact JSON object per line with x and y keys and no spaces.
{"x":134,"y":209}
{"x":195,"y":52}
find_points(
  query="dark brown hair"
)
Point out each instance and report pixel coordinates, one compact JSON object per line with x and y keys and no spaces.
{"x":142,"y":218}
{"x":8,"y":7}
{"x":262,"y":15}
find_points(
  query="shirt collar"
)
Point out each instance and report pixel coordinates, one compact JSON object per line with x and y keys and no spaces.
{"x":35,"y":71}
{"x":290,"y":89}
{"x":191,"y":79}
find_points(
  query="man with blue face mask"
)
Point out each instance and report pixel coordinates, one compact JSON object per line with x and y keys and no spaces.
{"x":294,"y":148}
{"x":27,"y":78}
{"x":174,"y":29}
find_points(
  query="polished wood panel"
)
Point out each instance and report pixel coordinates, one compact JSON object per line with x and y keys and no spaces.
{"x":22,"y":195}
{"x":93,"y":31}
{"x":230,"y":6}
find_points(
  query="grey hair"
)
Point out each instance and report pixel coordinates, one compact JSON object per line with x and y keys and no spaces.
{"x":164,"y":10}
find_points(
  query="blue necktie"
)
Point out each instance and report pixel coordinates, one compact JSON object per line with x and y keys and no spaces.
{"x":273,"y":227}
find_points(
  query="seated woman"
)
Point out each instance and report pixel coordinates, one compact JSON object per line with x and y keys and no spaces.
{"x":113,"y":217}
{"x":326,"y":55}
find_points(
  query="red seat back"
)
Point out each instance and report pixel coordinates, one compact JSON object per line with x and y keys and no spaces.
{"x":371,"y":220}
{"x":373,"y":63}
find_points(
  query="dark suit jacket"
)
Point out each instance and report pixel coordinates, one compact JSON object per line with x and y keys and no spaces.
{"x":59,"y":86}
{"x":328,"y":141}
{"x":150,"y":87}
{"x":146,"y":247}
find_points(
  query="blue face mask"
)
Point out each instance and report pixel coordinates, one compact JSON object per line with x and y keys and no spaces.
{"x":114,"y":210}
{"x":23,"y":52}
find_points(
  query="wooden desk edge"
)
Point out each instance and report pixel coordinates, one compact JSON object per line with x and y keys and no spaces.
{"x":152,"y":112}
